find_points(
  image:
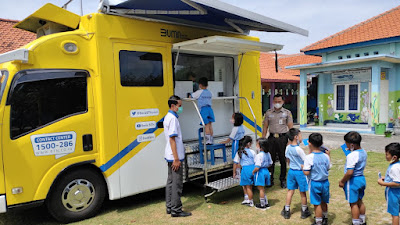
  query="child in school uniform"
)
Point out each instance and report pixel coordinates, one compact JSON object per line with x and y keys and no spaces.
{"x":392,"y":181}
{"x":353,"y":181}
{"x":295,"y":179}
{"x":261,"y":173}
{"x":245,"y":158}
{"x":204,"y":97}
{"x":317,"y":165}
{"x":237,"y":132}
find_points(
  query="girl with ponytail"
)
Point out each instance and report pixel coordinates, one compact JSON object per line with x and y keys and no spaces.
{"x":244,"y":158}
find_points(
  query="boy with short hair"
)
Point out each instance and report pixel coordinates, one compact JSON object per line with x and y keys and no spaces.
{"x":295,"y":178}
{"x":353,"y":181}
{"x":392,"y":181}
{"x":204,"y":98}
{"x":317,"y":165}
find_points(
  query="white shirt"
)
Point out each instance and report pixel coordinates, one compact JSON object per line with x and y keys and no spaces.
{"x":173,"y":129}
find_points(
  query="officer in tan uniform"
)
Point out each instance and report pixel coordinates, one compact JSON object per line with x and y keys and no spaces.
{"x":279,"y":120}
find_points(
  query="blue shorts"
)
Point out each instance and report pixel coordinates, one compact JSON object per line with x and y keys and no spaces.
{"x":207,"y":114}
{"x":392,"y":196}
{"x":319,"y":192}
{"x":296,"y":180}
{"x":246,"y":175}
{"x":262,"y":177}
{"x":354,"y":189}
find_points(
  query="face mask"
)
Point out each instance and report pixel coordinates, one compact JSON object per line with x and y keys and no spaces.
{"x":180,"y":110}
{"x":392,"y":160}
{"x":298,"y":142}
{"x":277,"y":106}
{"x":232,"y":121}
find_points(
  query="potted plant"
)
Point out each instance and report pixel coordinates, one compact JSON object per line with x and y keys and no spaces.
{"x":388,"y":133}
{"x":316,"y":119}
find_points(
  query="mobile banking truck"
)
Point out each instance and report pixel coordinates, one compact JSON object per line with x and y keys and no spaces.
{"x":82,"y":105}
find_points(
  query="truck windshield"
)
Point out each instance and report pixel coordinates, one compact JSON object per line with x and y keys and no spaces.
{"x":3,"y":82}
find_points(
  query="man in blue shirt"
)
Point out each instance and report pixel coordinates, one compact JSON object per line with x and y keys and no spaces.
{"x":353,"y":181}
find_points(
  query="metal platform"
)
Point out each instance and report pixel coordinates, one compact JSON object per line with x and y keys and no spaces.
{"x":224,"y":184}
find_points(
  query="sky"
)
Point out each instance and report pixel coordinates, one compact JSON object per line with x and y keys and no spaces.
{"x":321,"y":18}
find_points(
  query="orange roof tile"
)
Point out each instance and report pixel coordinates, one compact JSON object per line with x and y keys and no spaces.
{"x":13,"y":38}
{"x":267,"y":66}
{"x":385,"y":25}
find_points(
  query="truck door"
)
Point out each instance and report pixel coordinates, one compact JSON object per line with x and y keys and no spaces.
{"x":47,"y":116}
{"x":142,"y":90}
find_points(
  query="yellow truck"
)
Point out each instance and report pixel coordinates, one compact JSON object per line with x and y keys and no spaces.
{"x":81,"y":106}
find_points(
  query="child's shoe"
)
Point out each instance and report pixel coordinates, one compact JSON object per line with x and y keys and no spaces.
{"x":285,"y":214}
{"x":251,"y":204}
{"x":265,"y":207}
{"x":246,"y":202}
{"x":306,"y":213}
{"x":325,"y":221}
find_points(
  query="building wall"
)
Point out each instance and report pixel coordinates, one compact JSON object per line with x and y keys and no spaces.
{"x":394,"y":94}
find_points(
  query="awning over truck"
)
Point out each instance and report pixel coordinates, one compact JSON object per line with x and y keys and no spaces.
{"x":224,"y":45}
{"x":209,"y":14}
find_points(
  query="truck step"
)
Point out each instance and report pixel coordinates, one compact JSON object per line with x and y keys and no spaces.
{"x":224,"y":184}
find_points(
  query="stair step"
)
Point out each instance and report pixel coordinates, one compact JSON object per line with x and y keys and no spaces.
{"x":224,"y":184}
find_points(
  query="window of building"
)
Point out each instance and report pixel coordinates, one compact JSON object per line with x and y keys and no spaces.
{"x":347,"y":97}
{"x":141,"y":68}
{"x":45,"y":99}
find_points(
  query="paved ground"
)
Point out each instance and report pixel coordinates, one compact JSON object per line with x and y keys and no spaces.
{"x":370,"y":142}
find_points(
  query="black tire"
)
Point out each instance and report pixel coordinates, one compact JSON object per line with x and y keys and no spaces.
{"x":81,"y":200}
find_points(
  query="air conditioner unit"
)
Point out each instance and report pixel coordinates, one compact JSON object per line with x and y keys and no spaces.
{"x":50,"y":28}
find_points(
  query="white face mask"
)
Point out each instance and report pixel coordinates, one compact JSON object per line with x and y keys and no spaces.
{"x":277,"y":106}
{"x":232,"y":121}
{"x":298,"y":142}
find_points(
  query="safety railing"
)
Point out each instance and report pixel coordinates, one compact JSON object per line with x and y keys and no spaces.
{"x":204,"y":127}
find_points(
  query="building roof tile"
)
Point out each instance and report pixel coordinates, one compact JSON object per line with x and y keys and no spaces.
{"x":385,"y":25}
{"x":269,"y":74}
{"x":13,"y":38}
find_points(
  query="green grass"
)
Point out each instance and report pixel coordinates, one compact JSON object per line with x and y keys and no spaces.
{"x":225,"y":208}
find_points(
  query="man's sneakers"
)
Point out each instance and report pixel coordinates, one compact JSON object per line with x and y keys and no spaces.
{"x":285,"y":214}
{"x":260,"y":207}
{"x":306,"y":213}
{"x":180,"y":214}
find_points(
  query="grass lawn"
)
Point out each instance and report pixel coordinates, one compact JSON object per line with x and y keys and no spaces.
{"x":225,"y":208}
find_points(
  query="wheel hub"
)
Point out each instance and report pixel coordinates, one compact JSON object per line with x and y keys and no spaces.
{"x":78,"y":195}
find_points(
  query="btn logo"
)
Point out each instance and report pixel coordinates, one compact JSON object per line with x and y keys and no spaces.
{"x":145,"y":125}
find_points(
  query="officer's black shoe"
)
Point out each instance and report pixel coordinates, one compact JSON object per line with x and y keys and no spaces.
{"x":168,"y":211}
{"x":180,"y":214}
{"x":283,"y":184}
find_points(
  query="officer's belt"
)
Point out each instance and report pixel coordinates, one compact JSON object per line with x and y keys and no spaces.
{"x":277,"y":135}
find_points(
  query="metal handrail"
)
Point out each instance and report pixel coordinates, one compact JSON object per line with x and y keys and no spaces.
{"x":204,"y":127}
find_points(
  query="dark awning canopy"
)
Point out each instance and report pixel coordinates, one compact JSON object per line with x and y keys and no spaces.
{"x":210,"y":14}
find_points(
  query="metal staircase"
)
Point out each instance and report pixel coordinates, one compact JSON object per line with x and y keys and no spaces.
{"x":195,"y":169}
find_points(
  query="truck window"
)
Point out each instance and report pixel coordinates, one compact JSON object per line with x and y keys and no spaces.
{"x":141,"y":68}
{"x":37,"y":103}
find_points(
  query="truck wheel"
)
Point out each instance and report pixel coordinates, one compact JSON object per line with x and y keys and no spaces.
{"x":77,"y":195}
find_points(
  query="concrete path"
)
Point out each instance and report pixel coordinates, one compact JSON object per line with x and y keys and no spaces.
{"x":370,"y":142}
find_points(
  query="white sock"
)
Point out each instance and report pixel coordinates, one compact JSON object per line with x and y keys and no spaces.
{"x":262,"y":202}
{"x":304,"y":207}
{"x":266,"y":199}
{"x":325,"y":214}
{"x":246,"y":197}
{"x":318,"y":220}
{"x":287,"y":207}
{"x":356,"y":221}
{"x":362,"y":218}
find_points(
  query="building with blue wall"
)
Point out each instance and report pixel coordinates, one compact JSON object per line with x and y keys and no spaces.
{"x":359,"y":76}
